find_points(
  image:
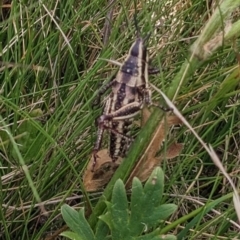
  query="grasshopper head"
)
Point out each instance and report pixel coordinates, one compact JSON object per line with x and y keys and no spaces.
{"x":137,"y":48}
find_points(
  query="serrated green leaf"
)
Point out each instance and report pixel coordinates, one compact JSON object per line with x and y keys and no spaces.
{"x":155,"y":236}
{"x":154,"y":186}
{"x":162,"y":237}
{"x":107,"y":218}
{"x":149,"y":236}
{"x":77,"y":223}
{"x":119,"y":204}
{"x":166,"y":210}
{"x":145,"y":210}
{"x":160,"y":213}
{"x":145,"y":202}
{"x":119,"y":212}
{"x":137,"y":203}
{"x":71,"y":235}
{"x":117,"y":217}
{"x":109,"y":205}
{"x":102,"y":230}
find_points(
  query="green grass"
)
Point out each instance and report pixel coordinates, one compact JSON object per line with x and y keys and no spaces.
{"x":49,"y":75}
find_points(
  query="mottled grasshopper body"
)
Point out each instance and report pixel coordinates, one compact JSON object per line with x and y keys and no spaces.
{"x":130,"y":91}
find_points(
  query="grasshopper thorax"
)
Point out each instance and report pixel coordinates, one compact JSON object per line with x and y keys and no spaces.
{"x":134,"y":70}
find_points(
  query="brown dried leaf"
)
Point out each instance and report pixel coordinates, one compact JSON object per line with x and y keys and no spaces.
{"x":145,"y":115}
{"x":173,"y":150}
{"x":103,"y":171}
{"x":147,"y":167}
{"x":148,"y":162}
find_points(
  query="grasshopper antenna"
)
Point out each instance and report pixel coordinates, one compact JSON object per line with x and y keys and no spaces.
{"x":135,"y":19}
{"x":136,"y":24}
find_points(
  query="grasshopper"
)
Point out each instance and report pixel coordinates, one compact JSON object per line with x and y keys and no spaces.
{"x":129,"y":93}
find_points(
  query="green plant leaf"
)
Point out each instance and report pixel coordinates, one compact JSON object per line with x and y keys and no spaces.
{"x":137,"y":203}
{"x":154,"y":186}
{"x":119,"y":212}
{"x":120,"y":206}
{"x":107,"y":218}
{"x":76,"y":222}
{"x":160,"y":213}
{"x":102,"y":230}
{"x":145,"y":203}
{"x":71,"y":235}
{"x":145,"y":209}
{"x":162,"y":237}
